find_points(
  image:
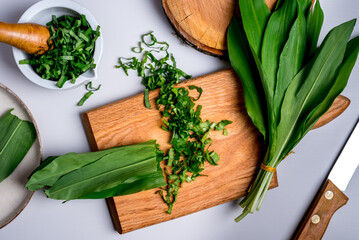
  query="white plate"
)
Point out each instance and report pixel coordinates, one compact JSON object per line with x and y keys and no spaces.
{"x":41,"y":13}
{"x":13,"y":194}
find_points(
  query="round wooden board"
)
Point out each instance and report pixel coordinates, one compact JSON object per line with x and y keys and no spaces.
{"x":203,"y":23}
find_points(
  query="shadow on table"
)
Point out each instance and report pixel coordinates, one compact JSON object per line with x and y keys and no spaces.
{"x":11,"y":15}
{"x":157,"y":5}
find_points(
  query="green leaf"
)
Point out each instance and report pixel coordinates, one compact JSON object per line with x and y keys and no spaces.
{"x":271,"y":121}
{"x":305,"y":6}
{"x":199,"y":90}
{"x":350,"y":57}
{"x":130,"y":186}
{"x":222,"y":124}
{"x":307,"y":89}
{"x":52,"y":170}
{"x":89,"y":87}
{"x":171,"y":154}
{"x":84,"y":98}
{"x":113,"y":172}
{"x":315,"y":22}
{"x":278,"y":4}
{"x":291,"y":59}
{"x":243,"y":63}
{"x":108,"y":172}
{"x":147,"y":98}
{"x":255,"y":15}
{"x":16,"y":139}
{"x":275,"y":37}
{"x":87,"y":95}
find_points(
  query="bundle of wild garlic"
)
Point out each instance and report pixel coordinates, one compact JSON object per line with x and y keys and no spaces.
{"x":288,"y":81}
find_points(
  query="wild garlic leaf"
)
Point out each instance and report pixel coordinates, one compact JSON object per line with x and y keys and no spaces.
{"x":50,"y":170}
{"x":130,"y":186}
{"x":274,"y":39}
{"x":291,"y":59}
{"x":306,"y":90}
{"x":222,"y":124}
{"x":53,"y":168}
{"x":117,"y":171}
{"x":350,"y":57}
{"x":16,"y":139}
{"x":278,"y":4}
{"x":243,"y":63}
{"x":314,"y":25}
{"x":305,"y":6}
{"x":255,"y":15}
{"x":108,"y":172}
{"x":268,"y":93}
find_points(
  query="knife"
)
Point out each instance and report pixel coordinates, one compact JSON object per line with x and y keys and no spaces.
{"x":331,"y":197}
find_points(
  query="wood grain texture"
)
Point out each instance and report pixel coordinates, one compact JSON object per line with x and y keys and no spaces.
{"x":203,"y":23}
{"x":128,"y":122}
{"x":338,"y":107}
{"x":29,"y":37}
{"x":323,"y":208}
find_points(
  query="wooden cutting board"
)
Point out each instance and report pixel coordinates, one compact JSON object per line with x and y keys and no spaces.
{"x":127,"y":122}
{"x":203,"y":23}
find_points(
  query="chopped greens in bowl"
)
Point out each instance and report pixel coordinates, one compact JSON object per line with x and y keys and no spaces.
{"x":72,"y":45}
{"x":42,"y":13}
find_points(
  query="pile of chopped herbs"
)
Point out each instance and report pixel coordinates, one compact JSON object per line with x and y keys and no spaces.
{"x":190,"y":134}
{"x":112,"y":172}
{"x":72,"y":45}
{"x":289,"y":82}
{"x":16,"y":138}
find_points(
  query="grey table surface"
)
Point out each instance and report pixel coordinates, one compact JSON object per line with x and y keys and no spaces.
{"x":61,"y":130}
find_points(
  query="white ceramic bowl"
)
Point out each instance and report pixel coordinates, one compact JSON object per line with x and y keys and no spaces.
{"x":41,"y":13}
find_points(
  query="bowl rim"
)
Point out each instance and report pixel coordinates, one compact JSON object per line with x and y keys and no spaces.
{"x":27,"y":70}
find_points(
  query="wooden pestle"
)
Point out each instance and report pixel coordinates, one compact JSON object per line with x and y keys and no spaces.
{"x":30,"y":37}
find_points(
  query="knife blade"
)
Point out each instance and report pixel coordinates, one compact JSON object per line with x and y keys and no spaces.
{"x":331,"y":197}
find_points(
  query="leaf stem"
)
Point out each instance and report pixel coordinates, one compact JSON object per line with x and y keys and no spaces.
{"x":253,"y":200}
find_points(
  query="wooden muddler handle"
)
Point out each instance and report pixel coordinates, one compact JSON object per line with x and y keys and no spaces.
{"x":328,"y":200}
{"x":30,"y":37}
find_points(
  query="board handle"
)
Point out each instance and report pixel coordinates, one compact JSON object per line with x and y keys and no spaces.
{"x":327,"y":202}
